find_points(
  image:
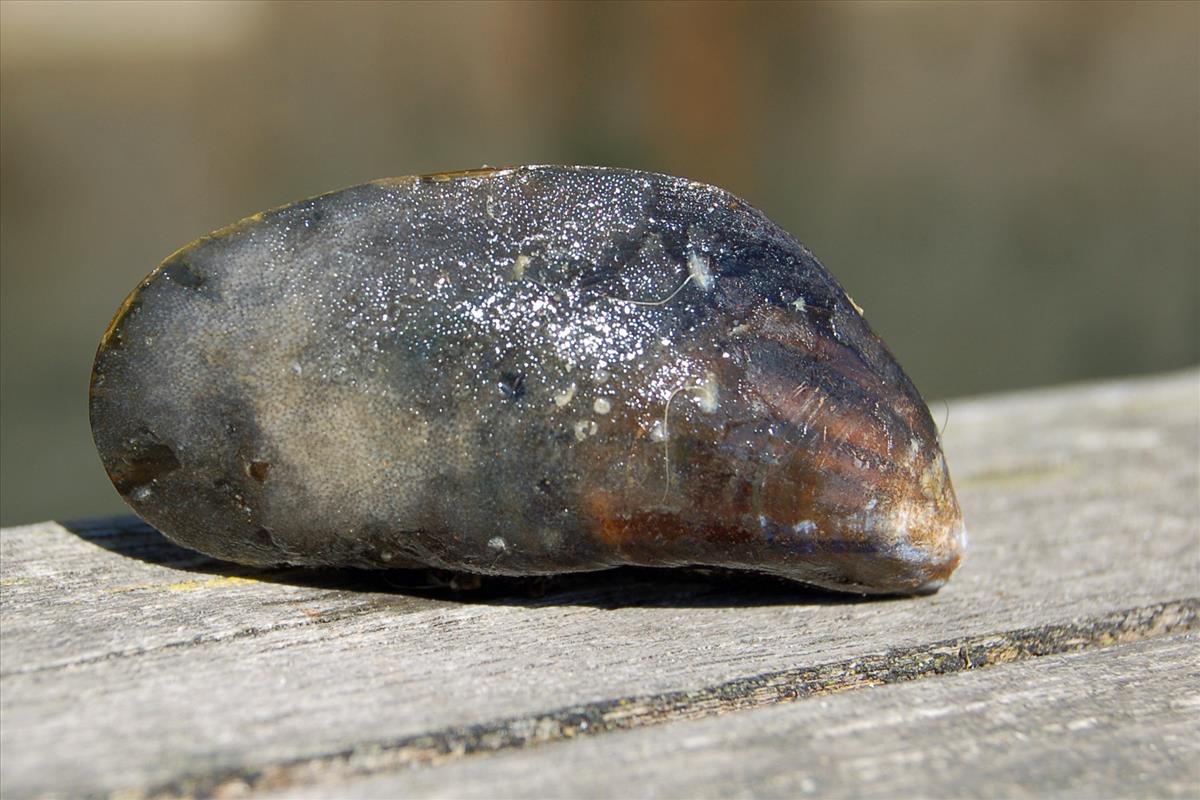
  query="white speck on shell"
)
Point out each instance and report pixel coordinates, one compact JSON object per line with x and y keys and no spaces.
{"x":565,"y":396}
{"x":707,"y":394}
{"x":585,"y":428}
{"x":699,"y":270}
{"x":519,"y":267}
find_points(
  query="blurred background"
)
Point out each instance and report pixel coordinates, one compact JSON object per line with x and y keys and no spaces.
{"x":1011,"y":190}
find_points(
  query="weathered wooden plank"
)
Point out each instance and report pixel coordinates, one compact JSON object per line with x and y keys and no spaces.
{"x":1119,"y":721}
{"x":127,"y":664}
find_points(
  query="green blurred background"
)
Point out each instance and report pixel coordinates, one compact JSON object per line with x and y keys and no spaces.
{"x":1012,"y":191}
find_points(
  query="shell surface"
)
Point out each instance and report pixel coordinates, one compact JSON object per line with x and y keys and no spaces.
{"x":522,"y":371}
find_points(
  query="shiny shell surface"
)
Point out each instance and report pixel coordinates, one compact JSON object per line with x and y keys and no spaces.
{"x":522,"y":371}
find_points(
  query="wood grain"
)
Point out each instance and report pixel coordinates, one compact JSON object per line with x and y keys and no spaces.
{"x":130,"y":666}
{"x":1122,"y":720}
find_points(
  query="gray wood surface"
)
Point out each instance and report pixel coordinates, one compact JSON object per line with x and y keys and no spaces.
{"x":129,"y":666}
{"x":1118,"y":721}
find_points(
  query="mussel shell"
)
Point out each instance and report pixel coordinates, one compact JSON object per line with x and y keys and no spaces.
{"x":521,"y":371}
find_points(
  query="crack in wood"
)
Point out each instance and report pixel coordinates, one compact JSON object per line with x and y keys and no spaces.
{"x":894,"y":666}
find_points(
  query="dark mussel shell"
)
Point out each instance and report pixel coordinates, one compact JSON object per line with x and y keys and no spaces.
{"x":522,"y":371}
